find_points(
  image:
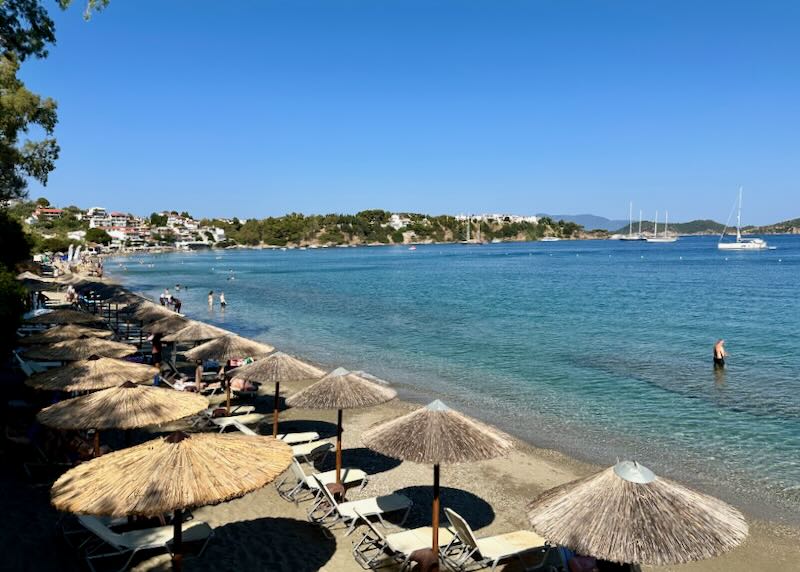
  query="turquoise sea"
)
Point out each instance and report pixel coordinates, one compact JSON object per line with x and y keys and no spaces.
{"x":600,"y":349}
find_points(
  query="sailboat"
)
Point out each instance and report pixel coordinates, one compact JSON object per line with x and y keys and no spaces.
{"x":741,"y":243}
{"x":630,"y":235}
{"x":666,"y":237}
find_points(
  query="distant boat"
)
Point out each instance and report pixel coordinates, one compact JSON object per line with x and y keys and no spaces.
{"x":550,"y":239}
{"x":666,"y":237}
{"x":630,"y":235}
{"x":412,"y":247}
{"x":496,"y":241}
{"x":741,"y":243}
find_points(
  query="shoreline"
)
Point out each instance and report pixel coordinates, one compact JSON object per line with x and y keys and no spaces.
{"x":758,"y":507}
{"x":493,"y":495}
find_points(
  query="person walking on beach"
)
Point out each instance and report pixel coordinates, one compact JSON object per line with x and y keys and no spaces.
{"x":222,"y":301}
{"x":210,"y":299}
{"x":176,"y":304}
{"x":719,"y":354}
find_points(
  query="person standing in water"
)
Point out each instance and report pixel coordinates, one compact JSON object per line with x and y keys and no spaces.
{"x":720,"y":354}
{"x":210,"y":299}
{"x":222,"y":301}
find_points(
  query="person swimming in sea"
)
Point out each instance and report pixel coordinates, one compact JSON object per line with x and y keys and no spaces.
{"x":222,"y":301}
{"x":720,"y":354}
{"x":211,"y":299}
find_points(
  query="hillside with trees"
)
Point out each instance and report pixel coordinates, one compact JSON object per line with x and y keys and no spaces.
{"x":702,"y":226}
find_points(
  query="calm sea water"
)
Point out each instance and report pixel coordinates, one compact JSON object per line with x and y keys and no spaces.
{"x":601,"y":349}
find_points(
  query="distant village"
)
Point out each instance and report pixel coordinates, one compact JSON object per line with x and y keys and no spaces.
{"x":100,"y":230}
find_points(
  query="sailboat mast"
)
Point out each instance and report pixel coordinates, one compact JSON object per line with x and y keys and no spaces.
{"x":469,"y":224}
{"x":666,"y":222}
{"x":739,"y":218}
{"x":655,"y":226}
{"x":640,"y":223}
{"x":630,"y":219}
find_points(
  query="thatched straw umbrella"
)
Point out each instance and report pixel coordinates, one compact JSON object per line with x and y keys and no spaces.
{"x":171,"y":474}
{"x":126,"y":406}
{"x":627,"y":514}
{"x":435,"y":435}
{"x":276,"y":368}
{"x":341,"y":389}
{"x":64,"y":316}
{"x":169,"y":324}
{"x":225,"y":349}
{"x":92,"y":374}
{"x":196,"y":332}
{"x":27,"y":275}
{"x":81,"y":348}
{"x":61,"y":333}
{"x":147,"y":311}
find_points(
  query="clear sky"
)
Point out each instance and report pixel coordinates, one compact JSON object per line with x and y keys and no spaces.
{"x":265,"y":107}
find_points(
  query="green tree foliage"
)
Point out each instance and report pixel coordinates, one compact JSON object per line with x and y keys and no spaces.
{"x":12,"y":306}
{"x":20,"y":110}
{"x":16,"y":247}
{"x":158,"y":220}
{"x":42,"y":202}
{"x":98,"y":236}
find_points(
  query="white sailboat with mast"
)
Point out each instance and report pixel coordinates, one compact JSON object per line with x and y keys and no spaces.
{"x":666,"y":237}
{"x":741,"y":243}
{"x":630,"y":235}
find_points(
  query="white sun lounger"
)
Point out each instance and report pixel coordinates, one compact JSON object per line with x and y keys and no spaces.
{"x":376,"y":549}
{"x":298,"y":438}
{"x":309,"y":452}
{"x":467,"y":551}
{"x":206,"y":417}
{"x":291,"y":491}
{"x":328,"y":511}
{"x":289,"y":438}
{"x":135,"y":540}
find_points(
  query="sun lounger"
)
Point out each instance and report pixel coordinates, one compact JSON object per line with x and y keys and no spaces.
{"x":298,"y":438}
{"x":225,"y":423}
{"x":301,"y":482}
{"x":376,"y":549}
{"x":330,"y":512}
{"x":29,"y":367}
{"x":309,"y":452}
{"x":129,"y":543}
{"x":467,"y":551}
{"x":206,"y":417}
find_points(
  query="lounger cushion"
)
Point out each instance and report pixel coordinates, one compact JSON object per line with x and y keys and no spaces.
{"x":375,"y":505}
{"x":349,"y":476}
{"x":408,"y":541}
{"x":297,"y":438}
{"x":308,"y":448}
{"x":504,"y":545}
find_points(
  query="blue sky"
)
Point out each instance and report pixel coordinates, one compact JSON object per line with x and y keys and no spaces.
{"x":266,"y":107}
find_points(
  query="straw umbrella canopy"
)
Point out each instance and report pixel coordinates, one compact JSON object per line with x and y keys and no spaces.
{"x":147,"y":311}
{"x":38,"y":285}
{"x":435,"y":435}
{"x":171,"y":474}
{"x":196,"y":332}
{"x":81,"y":348}
{"x":627,"y":514}
{"x":126,"y":406}
{"x":276,"y":368}
{"x":169,"y":324}
{"x":28,"y":275}
{"x":341,"y":389}
{"x":92,"y":374}
{"x":64,"y":316}
{"x":226,"y":348}
{"x":65,"y":332}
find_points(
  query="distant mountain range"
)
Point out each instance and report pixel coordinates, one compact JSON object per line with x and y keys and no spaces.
{"x":589,"y":221}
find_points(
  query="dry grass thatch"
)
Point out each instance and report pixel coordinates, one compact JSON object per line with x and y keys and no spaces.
{"x":91,"y":375}
{"x":197,"y":332}
{"x":61,"y":333}
{"x":81,"y":348}
{"x":166,"y":474}
{"x":626,"y":514}
{"x":169,"y":324}
{"x":126,"y":406}
{"x":33,"y":285}
{"x":148,"y":311}
{"x":436,"y":434}
{"x":64,"y":316}
{"x":27,"y":275}
{"x":277,"y":367}
{"x":342,"y":389}
{"x":227,"y":348}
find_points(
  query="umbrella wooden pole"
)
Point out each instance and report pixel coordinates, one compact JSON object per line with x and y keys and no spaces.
{"x":96,"y":443}
{"x":339,"y":447}
{"x":275,"y":413}
{"x":177,"y":540}
{"x":435,"y":519}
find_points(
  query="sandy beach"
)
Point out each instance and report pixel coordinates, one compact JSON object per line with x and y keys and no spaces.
{"x":263,"y":532}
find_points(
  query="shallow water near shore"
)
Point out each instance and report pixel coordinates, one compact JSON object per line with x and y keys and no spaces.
{"x":600,"y":349}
